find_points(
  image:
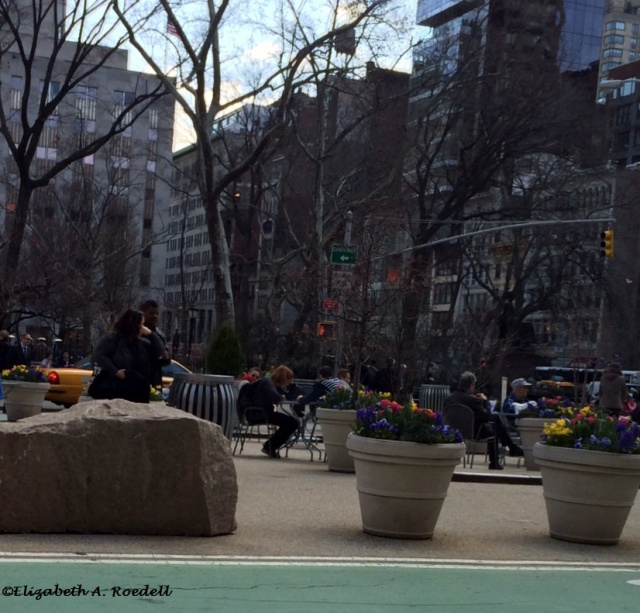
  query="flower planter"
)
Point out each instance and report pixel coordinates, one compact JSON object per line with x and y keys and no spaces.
{"x":401,"y":485}
{"x":588,"y":494}
{"x":530,"y":429}
{"x":23,"y":398}
{"x":336,"y":426}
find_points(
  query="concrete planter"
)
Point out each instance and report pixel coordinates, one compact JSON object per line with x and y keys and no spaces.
{"x":23,"y":398}
{"x":588,"y":494}
{"x":530,"y":429}
{"x":402,"y":486}
{"x":336,"y":426}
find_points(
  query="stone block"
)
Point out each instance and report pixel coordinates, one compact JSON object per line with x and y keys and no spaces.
{"x":116,"y":467}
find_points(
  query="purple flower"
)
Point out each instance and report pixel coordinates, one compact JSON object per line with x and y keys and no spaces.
{"x":578,"y":444}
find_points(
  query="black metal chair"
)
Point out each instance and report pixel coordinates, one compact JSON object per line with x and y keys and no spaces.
{"x":248,"y":419}
{"x":461,"y":417}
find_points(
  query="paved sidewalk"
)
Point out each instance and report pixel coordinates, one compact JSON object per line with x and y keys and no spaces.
{"x":294,"y":507}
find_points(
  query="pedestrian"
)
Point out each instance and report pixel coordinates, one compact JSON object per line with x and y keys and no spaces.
{"x":613,"y":390}
{"x":5,"y":350}
{"x":22,"y":353}
{"x":126,"y":360}
{"x":151,"y":312}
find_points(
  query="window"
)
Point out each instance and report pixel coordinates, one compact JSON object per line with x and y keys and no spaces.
{"x":123,"y":98}
{"x":609,"y":65}
{"x":622,"y":115}
{"x":614,"y":39}
{"x":615,"y":25}
{"x":442,"y":293}
{"x":635,"y":29}
{"x":634,"y":43}
{"x":612,"y":53}
{"x":632,"y":56}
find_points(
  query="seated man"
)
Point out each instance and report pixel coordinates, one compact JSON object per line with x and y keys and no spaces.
{"x":325,"y":383}
{"x":478,"y":403}
{"x":517,"y":401}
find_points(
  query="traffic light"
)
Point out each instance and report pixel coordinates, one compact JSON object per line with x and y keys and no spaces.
{"x":606,"y":244}
{"x":326,"y":329}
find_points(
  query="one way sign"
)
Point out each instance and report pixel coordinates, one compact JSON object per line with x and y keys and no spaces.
{"x":343,"y":254}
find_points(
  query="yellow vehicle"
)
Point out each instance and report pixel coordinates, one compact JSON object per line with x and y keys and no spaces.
{"x":67,"y":384}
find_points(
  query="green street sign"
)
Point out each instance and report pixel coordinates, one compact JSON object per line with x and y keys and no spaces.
{"x":343,"y":254}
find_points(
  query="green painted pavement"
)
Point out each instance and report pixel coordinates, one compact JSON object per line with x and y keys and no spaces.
{"x":279,"y":588}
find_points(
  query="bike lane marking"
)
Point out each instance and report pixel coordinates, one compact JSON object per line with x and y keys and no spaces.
{"x":291,"y":585}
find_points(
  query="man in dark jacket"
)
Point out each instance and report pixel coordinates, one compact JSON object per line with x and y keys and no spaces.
{"x":151,"y":312}
{"x":479,"y":404}
{"x":22,"y":353}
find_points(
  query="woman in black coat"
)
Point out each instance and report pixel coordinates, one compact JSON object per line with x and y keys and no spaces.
{"x":126,"y":360}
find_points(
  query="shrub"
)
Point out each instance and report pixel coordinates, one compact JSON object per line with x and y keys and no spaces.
{"x":225,"y":355}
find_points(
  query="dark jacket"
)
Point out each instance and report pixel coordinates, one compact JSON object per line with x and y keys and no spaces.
{"x":481,"y":408}
{"x":159,"y":345}
{"x":116,"y":352}
{"x":261,"y":393}
{"x":17,"y":355}
{"x":5,"y":356}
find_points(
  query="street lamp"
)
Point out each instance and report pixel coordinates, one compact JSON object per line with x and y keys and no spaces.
{"x":608,"y":85}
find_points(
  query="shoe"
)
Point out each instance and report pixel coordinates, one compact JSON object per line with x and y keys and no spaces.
{"x":516,"y":452}
{"x":495,"y":467}
{"x":271,"y":454}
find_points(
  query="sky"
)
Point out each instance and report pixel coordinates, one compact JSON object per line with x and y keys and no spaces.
{"x":248,"y":50}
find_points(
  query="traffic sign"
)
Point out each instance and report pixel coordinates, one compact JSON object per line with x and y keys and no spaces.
{"x":329,"y":304}
{"x":343,"y":254}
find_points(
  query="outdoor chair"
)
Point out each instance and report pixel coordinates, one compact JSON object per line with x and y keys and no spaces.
{"x":250,"y":418}
{"x":461,"y":417}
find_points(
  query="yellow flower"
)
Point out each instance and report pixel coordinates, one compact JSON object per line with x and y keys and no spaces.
{"x":557,"y":428}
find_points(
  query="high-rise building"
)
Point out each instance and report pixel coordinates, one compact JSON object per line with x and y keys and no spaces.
{"x":565,"y":31}
{"x":121,"y":184}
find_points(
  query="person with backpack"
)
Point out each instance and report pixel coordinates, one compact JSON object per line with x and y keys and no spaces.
{"x":257,"y":402}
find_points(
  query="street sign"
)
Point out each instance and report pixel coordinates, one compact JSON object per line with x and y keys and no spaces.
{"x":343,"y":254}
{"x":329,"y":304}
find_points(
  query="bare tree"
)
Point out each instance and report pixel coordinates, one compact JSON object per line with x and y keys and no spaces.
{"x":49,"y":55}
{"x":207,"y":63}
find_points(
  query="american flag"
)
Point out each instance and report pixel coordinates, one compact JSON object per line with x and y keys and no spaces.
{"x":171,"y":27}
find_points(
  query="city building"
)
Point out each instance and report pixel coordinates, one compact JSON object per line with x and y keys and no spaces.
{"x":95,"y":221}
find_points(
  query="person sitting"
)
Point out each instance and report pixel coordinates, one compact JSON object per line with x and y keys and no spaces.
{"x":253,"y":374}
{"x":257,"y":400}
{"x":325,"y":383}
{"x":517,"y":401}
{"x":47,"y":362}
{"x":478,"y":403}
{"x":64,"y":361}
{"x":344,"y":375}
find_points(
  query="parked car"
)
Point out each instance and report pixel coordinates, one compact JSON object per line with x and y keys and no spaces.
{"x":67,"y":383}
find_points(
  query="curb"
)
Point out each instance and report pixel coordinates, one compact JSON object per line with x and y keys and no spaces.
{"x":467,"y":477}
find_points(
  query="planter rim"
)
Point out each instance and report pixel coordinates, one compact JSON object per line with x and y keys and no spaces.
{"x":184,"y":377}
{"x":26,"y":384}
{"x":327,"y":412}
{"x":585,"y":457}
{"x":404,"y":448}
{"x":535,"y":420}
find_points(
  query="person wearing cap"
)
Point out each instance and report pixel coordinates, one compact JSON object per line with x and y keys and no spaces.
{"x":517,"y":401}
{"x":40,"y":351}
{"x":22,"y":353}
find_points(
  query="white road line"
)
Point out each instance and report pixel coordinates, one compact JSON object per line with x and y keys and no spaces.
{"x":212,"y":560}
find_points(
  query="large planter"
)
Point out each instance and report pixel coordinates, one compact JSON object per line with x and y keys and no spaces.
{"x":588,"y":494}
{"x":336,"y":426}
{"x":209,"y":397}
{"x":402,"y":486}
{"x":23,"y":398}
{"x":530,"y":429}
